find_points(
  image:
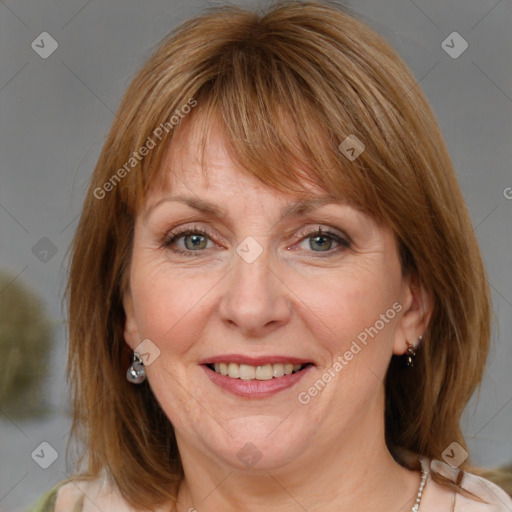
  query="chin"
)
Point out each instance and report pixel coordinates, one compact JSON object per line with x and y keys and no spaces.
{"x":260,"y":443}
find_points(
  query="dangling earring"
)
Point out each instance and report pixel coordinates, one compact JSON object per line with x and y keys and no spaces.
{"x":136,"y":373}
{"x":411,"y":352}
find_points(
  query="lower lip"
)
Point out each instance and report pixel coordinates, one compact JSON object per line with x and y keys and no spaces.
{"x":255,"y":388}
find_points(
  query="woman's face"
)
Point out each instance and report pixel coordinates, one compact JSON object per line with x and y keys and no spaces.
{"x":234,"y":277}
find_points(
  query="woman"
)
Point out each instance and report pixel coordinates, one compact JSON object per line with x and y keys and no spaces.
{"x":276,"y":297}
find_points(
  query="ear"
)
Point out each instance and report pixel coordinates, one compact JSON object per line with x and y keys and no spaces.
{"x":417,"y":309}
{"x":131,"y":332}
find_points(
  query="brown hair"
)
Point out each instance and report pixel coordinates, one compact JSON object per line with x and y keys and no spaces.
{"x":288,"y":87}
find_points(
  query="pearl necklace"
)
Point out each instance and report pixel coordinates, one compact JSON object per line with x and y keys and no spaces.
{"x":424,"y":474}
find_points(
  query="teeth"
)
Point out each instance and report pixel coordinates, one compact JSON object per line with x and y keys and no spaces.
{"x":248,"y":372}
{"x":277,"y":370}
{"x":233,"y":371}
{"x":264,"y":372}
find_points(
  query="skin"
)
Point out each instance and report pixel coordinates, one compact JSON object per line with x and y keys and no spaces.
{"x":295,"y":299}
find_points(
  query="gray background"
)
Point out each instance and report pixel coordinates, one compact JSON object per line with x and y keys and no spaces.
{"x":55,"y":113}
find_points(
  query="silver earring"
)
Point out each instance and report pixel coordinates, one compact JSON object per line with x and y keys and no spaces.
{"x":411,"y":352}
{"x":136,"y":373}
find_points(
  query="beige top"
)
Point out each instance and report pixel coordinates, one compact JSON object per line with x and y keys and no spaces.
{"x":80,"y":496}
{"x":437,"y":498}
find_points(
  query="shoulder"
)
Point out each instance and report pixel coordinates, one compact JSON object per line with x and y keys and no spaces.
{"x":70,"y":497}
{"x":46,"y":503}
{"x":494,"y":499}
{"x":84,"y":495}
{"x":61,"y":497}
{"x":90,"y":495}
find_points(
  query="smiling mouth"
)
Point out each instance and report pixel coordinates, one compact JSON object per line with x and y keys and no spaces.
{"x":249,"y":372}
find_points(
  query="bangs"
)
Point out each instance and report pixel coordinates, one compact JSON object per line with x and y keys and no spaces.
{"x":282,"y":123}
{"x":272,"y":150}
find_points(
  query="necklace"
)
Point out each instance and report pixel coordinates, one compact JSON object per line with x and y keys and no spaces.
{"x":424,"y":474}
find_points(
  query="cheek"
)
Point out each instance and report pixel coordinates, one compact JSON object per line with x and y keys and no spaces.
{"x":171,"y":305}
{"x":360,"y":304}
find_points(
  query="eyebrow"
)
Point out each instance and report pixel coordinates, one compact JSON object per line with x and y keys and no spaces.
{"x":297,"y":209}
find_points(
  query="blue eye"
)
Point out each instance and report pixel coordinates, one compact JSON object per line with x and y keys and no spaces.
{"x":192,"y":241}
{"x":322,"y":241}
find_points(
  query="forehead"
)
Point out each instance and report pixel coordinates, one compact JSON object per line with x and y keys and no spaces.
{"x":200,"y":162}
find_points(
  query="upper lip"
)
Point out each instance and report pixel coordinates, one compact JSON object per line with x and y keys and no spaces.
{"x":253,"y":360}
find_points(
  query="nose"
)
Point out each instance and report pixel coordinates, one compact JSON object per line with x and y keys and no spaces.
{"x":255,"y":299}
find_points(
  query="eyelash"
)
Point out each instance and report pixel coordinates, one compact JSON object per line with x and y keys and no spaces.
{"x":175,"y":235}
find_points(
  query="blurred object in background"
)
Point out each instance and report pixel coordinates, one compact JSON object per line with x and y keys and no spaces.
{"x":26,"y":340}
{"x":501,"y":476}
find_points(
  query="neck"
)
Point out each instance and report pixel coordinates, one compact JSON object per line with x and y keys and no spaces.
{"x":354,"y":471}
